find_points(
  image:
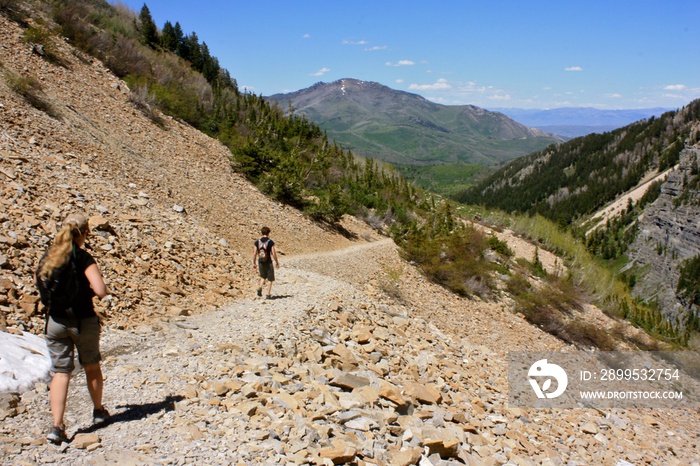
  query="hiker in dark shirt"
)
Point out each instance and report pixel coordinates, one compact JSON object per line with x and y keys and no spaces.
{"x":264,"y":253}
{"x":76,"y":326}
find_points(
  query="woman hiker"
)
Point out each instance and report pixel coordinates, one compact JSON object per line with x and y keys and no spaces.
{"x":72,"y":277}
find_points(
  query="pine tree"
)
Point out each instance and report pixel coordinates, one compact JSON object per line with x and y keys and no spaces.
{"x":195,"y":54}
{"x":182,"y":45}
{"x":148,"y":29}
{"x":210,"y":65}
{"x":169,"y":38}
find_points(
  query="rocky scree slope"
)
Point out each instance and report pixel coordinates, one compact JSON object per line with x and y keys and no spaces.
{"x":339,"y":368}
{"x":173,"y":224}
{"x":359,"y":360}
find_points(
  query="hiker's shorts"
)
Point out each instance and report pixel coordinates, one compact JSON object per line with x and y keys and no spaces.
{"x":63,"y":336}
{"x":266,"y":270}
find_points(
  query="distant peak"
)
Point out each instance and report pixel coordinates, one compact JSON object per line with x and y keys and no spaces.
{"x":357,"y":83}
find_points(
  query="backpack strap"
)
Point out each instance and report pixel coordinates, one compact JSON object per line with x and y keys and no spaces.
{"x":263,"y":244}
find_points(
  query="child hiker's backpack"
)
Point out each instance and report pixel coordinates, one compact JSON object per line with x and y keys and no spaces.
{"x":263,"y":253}
{"x":59,"y":290}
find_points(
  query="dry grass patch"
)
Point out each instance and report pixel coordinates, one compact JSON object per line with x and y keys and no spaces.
{"x":31,"y":90}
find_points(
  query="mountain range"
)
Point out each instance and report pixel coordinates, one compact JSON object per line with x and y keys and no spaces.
{"x":573,"y":122}
{"x":442,"y":148}
{"x":404,"y":128}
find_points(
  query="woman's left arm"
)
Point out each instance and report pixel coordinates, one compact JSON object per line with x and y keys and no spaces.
{"x":96,"y":282}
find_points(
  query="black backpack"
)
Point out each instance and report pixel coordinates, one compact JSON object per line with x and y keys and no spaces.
{"x":263,"y":252}
{"x":59,"y":291}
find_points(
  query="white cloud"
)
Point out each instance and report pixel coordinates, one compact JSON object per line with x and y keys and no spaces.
{"x":399,"y":81}
{"x":614,"y":96}
{"x":321,"y":72}
{"x":470,"y":88}
{"x":674,"y":87}
{"x":573,"y":68}
{"x":449,"y":92}
{"x":401,"y":63}
{"x":354,"y":42}
{"x":439,"y":85}
{"x":306,"y":36}
{"x":500,"y":97}
{"x":375,"y":48}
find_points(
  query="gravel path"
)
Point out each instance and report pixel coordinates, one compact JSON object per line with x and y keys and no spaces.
{"x":158,"y":380}
{"x":333,"y":371}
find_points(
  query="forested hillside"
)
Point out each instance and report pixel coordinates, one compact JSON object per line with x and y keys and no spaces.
{"x":569,"y":181}
{"x":407,"y":129}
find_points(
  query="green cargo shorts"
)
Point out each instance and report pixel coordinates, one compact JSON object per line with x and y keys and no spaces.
{"x":63,"y":336}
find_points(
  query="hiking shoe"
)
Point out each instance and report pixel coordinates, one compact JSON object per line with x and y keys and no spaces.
{"x":268,"y":296}
{"x":259,"y":291}
{"x":57,"y":435}
{"x":100,"y":415}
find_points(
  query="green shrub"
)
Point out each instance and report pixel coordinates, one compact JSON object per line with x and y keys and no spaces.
{"x":42,"y":40}
{"x":501,"y":247}
{"x":36,"y":35}
{"x":536,"y":267}
{"x":331,"y":205}
{"x":550,"y":306}
{"x":452,"y":258}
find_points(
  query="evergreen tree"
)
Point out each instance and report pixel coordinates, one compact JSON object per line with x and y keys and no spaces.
{"x":169,"y":38}
{"x":182,"y":49}
{"x":210,"y":65}
{"x":195,"y":54}
{"x":148,"y":29}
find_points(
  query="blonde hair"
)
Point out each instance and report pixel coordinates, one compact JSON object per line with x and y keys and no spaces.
{"x":73,"y":226}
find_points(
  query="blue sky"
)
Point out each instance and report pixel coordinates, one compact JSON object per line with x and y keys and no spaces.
{"x":608,"y":54}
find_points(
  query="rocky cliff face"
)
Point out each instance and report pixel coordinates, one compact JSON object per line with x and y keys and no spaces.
{"x":668,"y":235}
